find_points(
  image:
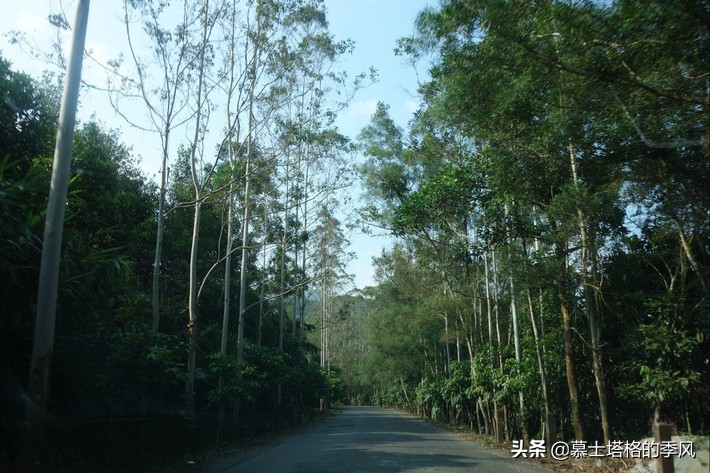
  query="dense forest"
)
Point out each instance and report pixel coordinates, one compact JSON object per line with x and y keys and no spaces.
{"x":548,"y":205}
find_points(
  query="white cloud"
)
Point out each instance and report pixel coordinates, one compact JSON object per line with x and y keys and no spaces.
{"x":362,"y":108}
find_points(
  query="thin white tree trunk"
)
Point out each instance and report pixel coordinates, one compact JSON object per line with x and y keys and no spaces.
{"x":192,"y":311}
{"x":302,"y":310}
{"x":284,"y":241}
{"x":261,"y":295}
{"x":196,"y":181}
{"x":590,"y":304}
{"x":227,"y":299}
{"x":245,"y":240}
{"x":155,"y":290}
{"x":245,"y":225}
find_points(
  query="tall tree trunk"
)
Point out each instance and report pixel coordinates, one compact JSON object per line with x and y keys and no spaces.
{"x":43,"y":344}
{"x":489,"y":309}
{"x":570,"y":365}
{"x":192,"y":310}
{"x":227,"y":292}
{"x":562,"y":283}
{"x":282,"y":289}
{"x":197,"y":183}
{"x":245,"y":252}
{"x":261,"y":295}
{"x":550,"y":417}
{"x":302,"y":310}
{"x":163,"y":114}
{"x":540,"y":362}
{"x":155,"y":290}
{"x":446,"y":341}
{"x":516,"y":341}
{"x":295,"y":271}
{"x":496,"y":312}
{"x":282,"y":277}
{"x":590,"y":302}
{"x":243,"y":277}
{"x":233,"y":131}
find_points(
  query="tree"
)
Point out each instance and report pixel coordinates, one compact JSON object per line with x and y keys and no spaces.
{"x":54,"y":222}
{"x":166,"y":102}
{"x":198,"y":182}
{"x":526,"y":135}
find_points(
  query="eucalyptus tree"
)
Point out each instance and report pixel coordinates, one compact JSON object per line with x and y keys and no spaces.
{"x":160,"y":81}
{"x":249,"y":36}
{"x":245,"y":77}
{"x":252,"y":77}
{"x":199,"y":180}
{"x":266,"y":46}
{"x":387,"y":176}
{"x":231,"y":80}
{"x":330,"y":260}
{"x":39,"y":377}
{"x":312,"y":145}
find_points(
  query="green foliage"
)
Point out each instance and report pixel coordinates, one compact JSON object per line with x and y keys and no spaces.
{"x":387,"y":174}
{"x":28,"y":118}
{"x":662,"y":371}
{"x":558,"y":163}
{"x":428,"y":394}
{"x":335,"y":387}
{"x":140,"y":363}
{"x":562,"y":147}
{"x":436,"y":202}
{"x":239,"y":380}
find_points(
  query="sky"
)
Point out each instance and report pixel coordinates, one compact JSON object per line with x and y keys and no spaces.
{"x":374,"y":26}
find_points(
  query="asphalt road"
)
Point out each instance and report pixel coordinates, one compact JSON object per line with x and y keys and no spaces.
{"x":368,"y":439}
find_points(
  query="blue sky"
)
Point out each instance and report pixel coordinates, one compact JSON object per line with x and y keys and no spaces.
{"x":374,"y":25}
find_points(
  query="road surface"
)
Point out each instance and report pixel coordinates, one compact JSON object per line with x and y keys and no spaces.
{"x":369,"y":439}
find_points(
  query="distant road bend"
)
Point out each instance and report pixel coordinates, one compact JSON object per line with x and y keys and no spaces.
{"x":369,"y":439}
